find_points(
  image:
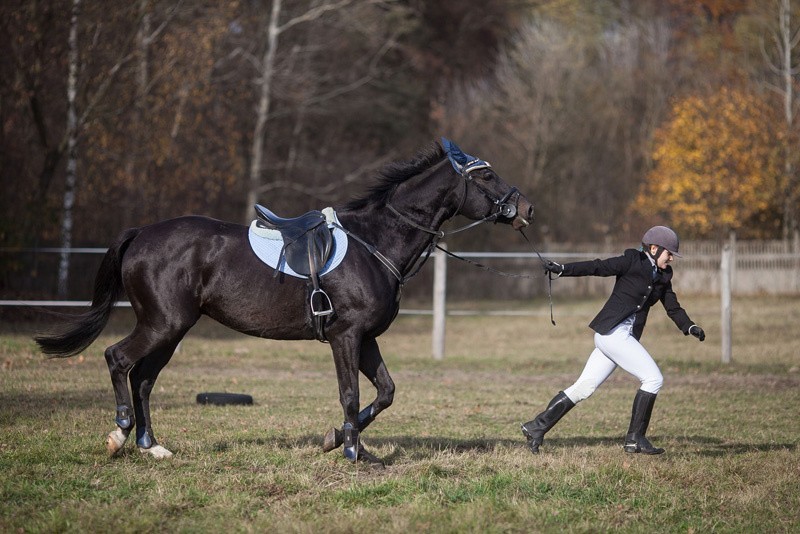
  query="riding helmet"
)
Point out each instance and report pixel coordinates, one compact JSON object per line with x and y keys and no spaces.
{"x":663,"y":237}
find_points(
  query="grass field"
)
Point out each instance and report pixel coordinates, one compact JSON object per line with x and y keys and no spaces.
{"x":456,"y":461}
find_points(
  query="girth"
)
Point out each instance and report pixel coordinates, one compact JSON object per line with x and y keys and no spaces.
{"x":307,"y":245}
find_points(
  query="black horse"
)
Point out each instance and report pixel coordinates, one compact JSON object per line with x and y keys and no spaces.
{"x":174,"y":271}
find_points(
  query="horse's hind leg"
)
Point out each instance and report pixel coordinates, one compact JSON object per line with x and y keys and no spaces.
{"x":121,"y":358}
{"x":143,"y":377}
{"x":371,"y":364}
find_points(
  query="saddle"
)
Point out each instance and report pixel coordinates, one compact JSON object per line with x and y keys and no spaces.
{"x":307,"y":245}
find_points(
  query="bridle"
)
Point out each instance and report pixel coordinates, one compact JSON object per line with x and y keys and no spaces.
{"x":505,"y":208}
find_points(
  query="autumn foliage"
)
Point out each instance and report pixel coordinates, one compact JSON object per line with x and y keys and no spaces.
{"x":718,"y":167}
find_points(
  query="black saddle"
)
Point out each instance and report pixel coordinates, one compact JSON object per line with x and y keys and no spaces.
{"x":307,"y":245}
{"x":307,"y":240}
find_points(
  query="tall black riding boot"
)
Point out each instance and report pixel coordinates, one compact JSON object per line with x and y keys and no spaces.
{"x":640,"y":419}
{"x":535,"y":429}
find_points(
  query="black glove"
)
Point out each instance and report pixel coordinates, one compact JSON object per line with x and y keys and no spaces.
{"x":697,"y":332}
{"x":553,"y":267}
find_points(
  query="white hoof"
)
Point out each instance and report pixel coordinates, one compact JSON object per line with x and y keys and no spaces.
{"x":156,"y":451}
{"x":116,"y":440}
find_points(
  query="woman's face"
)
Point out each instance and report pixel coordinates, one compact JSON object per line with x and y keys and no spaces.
{"x":664,"y":259}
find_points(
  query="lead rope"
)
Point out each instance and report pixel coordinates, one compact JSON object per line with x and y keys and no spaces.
{"x":512,"y":275}
{"x":396,"y":272}
{"x":549,"y":277}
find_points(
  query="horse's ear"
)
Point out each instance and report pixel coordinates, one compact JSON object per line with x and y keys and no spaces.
{"x":453,"y":152}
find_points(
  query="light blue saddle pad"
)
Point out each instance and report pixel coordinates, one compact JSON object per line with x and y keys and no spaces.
{"x":267,"y":245}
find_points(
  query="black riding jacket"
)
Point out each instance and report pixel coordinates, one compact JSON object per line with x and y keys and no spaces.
{"x":634,"y":292}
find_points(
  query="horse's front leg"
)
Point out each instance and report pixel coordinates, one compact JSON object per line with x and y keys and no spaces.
{"x":347,"y":356}
{"x":374,"y":368}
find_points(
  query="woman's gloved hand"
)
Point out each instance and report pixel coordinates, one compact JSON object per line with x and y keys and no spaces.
{"x":697,"y":332}
{"x":553,"y":267}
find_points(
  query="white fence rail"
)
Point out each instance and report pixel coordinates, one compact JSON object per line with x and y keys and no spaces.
{"x":743,"y":268}
{"x":758,"y":267}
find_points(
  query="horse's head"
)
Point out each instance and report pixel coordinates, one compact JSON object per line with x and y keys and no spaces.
{"x":486,"y":195}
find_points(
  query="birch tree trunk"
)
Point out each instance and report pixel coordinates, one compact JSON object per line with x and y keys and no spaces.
{"x":137,"y":157}
{"x":267,"y":73}
{"x":72,"y":153}
{"x":787,"y":45}
{"x":780,"y":59}
{"x":265,"y":84}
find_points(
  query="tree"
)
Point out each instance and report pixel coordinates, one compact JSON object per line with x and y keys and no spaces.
{"x":782,"y":59}
{"x":717,"y":168}
{"x":72,"y":152}
{"x":264,"y":82}
{"x":164,"y":144}
{"x":570,"y":112}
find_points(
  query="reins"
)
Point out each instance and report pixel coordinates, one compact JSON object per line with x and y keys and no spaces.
{"x":441,"y":234}
{"x":549,"y":277}
{"x":375,"y":252}
{"x":434,"y":244}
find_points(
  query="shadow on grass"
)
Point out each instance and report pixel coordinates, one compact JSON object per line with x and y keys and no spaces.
{"x":404,"y":447}
{"x":428,"y":447}
{"x":29,"y":404}
{"x":700,"y":445}
{"x":713,"y":447}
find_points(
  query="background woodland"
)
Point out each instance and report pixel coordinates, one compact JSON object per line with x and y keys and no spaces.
{"x":611,"y":115}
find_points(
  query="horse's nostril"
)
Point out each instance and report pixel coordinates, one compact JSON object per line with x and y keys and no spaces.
{"x":530,"y":214}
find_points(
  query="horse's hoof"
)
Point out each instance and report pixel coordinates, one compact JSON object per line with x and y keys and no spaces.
{"x":116,"y":440}
{"x":333,"y":440}
{"x":157,"y":451}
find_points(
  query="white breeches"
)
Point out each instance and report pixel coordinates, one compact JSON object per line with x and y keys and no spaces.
{"x":617,"y":348}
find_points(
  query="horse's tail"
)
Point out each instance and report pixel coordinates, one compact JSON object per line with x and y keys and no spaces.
{"x":79,"y":331}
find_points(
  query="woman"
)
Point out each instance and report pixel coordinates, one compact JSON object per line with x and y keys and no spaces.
{"x":644,"y":277}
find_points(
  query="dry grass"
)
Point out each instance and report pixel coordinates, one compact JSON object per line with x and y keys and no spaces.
{"x":455,"y":458}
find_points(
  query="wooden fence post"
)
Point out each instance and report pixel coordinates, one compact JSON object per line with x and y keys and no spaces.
{"x":439,"y":301}
{"x":734,"y":254}
{"x":725,"y":293}
{"x":796,"y":251}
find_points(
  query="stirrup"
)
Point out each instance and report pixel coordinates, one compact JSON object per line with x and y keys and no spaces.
{"x":324,"y":310}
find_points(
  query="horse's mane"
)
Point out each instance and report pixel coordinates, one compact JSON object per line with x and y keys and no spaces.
{"x":396,"y":173}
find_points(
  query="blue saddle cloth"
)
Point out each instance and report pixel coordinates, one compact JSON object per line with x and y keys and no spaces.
{"x":267,"y":244}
